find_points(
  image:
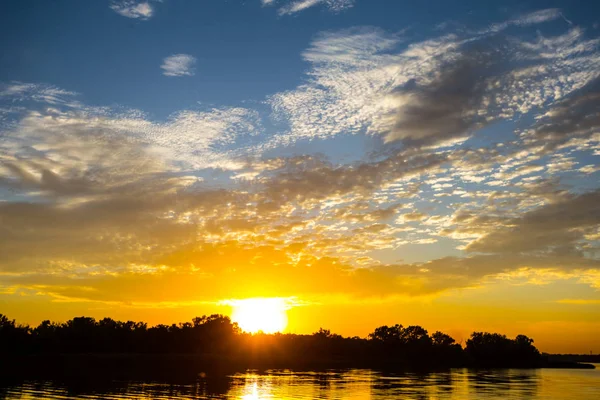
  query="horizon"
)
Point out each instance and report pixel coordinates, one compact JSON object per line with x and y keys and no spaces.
{"x":377,"y":334}
{"x":304,"y":164}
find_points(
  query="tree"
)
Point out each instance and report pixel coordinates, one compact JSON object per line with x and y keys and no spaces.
{"x":387,"y":334}
{"x":441,"y":339}
{"x":493,"y":349}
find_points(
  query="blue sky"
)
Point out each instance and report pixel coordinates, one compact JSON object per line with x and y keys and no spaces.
{"x":433,"y":146}
{"x":244,"y":50}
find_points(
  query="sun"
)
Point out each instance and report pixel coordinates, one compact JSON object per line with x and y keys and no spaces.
{"x":268,"y":315}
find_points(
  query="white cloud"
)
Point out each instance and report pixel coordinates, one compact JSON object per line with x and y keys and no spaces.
{"x":133,"y":9}
{"x":190,"y":139}
{"x":354,"y":72}
{"x":179,"y":65}
{"x":536,"y":17}
{"x":589,"y":169}
{"x":18,"y":91}
{"x":301,"y":5}
{"x":357,"y":81}
{"x":200,"y":139}
{"x":298,"y":6}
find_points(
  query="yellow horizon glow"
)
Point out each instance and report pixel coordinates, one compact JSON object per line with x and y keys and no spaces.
{"x":268,"y":315}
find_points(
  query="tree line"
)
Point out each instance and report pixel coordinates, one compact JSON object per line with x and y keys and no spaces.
{"x":216,"y":337}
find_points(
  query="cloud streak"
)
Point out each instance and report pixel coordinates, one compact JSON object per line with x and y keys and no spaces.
{"x":133,"y":9}
{"x":179,"y":65}
{"x":295,"y":6}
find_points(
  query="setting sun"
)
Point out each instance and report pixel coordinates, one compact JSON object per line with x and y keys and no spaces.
{"x":261,"y":314}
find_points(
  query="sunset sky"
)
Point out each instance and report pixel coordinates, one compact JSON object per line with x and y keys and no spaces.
{"x":362,"y":162}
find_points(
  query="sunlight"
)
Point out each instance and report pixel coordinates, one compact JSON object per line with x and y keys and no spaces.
{"x":260,"y":314}
{"x":252,"y":392}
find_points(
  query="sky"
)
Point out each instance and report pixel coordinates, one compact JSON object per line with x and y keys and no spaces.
{"x":366,"y":162}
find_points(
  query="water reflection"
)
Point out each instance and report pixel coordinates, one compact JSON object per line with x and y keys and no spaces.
{"x":522,"y":383}
{"x":349,"y":384}
{"x":413,"y":385}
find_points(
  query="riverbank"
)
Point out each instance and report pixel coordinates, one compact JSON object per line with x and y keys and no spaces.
{"x":568,"y":364}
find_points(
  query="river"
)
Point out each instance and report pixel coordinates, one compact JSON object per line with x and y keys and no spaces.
{"x":456,"y":384}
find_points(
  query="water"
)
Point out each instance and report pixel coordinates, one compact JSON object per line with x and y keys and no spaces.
{"x":557,"y":384}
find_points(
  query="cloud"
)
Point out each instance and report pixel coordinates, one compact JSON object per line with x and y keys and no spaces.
{"x":365,"y":80}
{"x":447,"y":107}
{"x":304,"y":182}
{"x":555,"y":227}
{"x":179,"y":65}
{"x":301,"y":5}
{"x":535,"y":17}
{"x":575,"y":115}
{"x":579,"y":301}
{"x":351,"y":73}
{"x":76,"y":138}
{"x":110,"y":186}
{"x":132,"y":8}
{"x":487,"y":139}
{"x":20,"y":92}
{"x":229,"y":270}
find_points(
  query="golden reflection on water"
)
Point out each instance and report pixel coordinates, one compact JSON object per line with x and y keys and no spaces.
{"x":459,"y":384}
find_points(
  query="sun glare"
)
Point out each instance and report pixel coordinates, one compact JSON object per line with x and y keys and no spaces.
{"x":268,"y":315}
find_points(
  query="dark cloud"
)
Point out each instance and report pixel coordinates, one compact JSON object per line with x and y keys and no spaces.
{"x":451,"y":104}
{"x":578,"y":115}
{"x":364,"y":212}
{"x":323,"y":181}
{"x":457,"y":272}
{"x":555,"y":226}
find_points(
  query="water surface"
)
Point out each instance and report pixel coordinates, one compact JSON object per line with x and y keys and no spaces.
{"x":348,"y":384}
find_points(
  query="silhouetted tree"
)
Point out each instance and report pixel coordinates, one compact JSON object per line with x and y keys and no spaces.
{"x":387,"y":334}
{"x":440,"y":339}
{"x":216,"y":337}
{"x":13,"y":337}
{"x":496,"y":350}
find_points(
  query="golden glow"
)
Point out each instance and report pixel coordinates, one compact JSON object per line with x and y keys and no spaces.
{"x":268,"y":315}
{"x":251,"y":392}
